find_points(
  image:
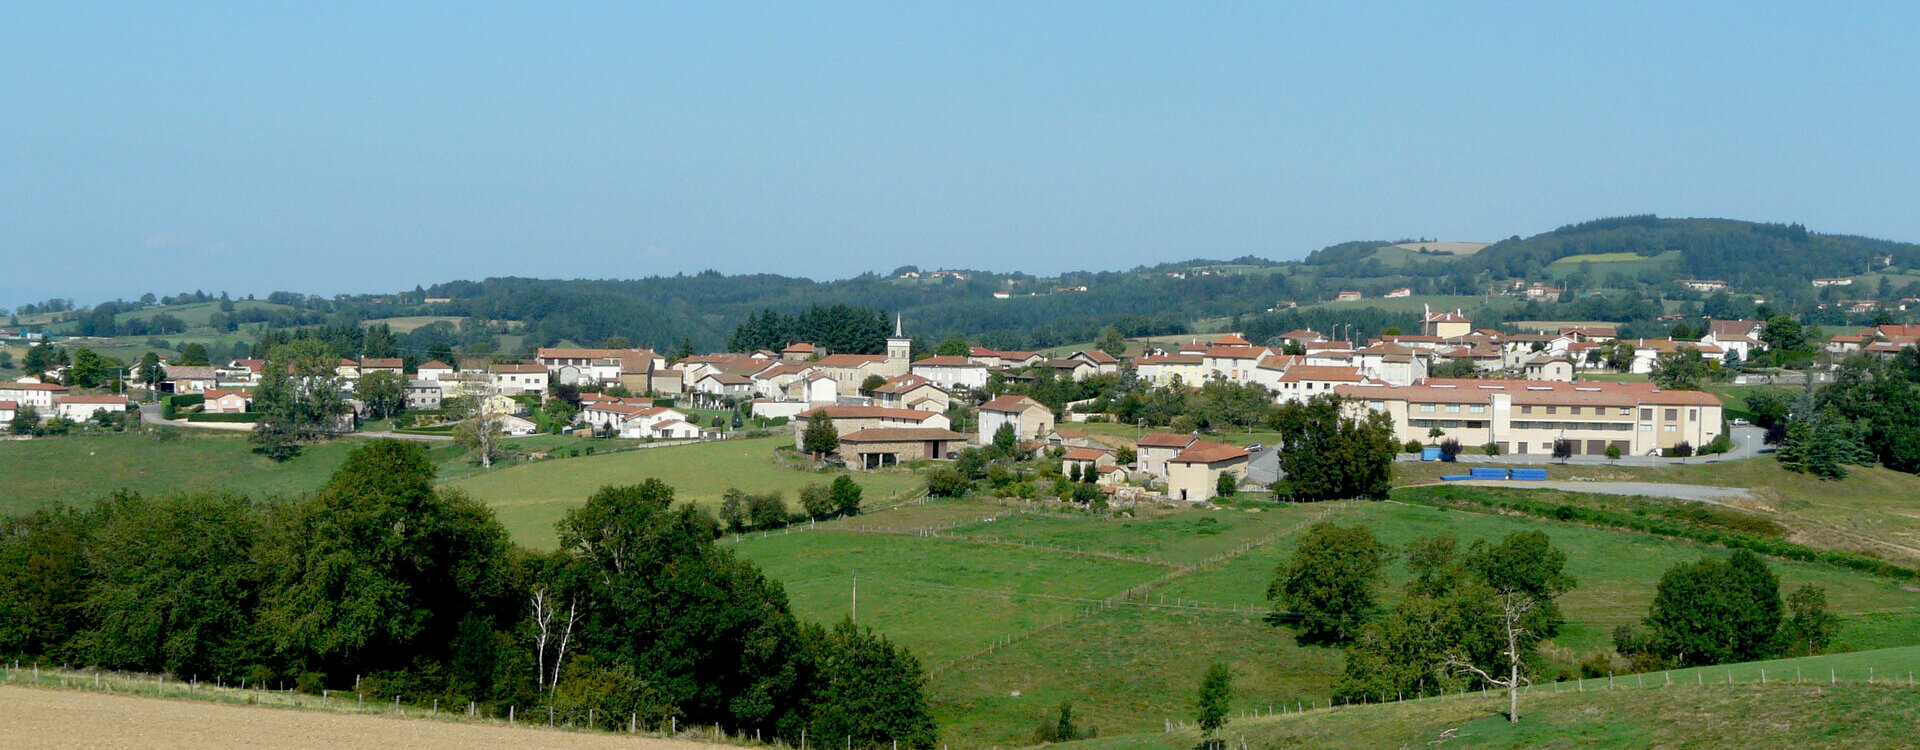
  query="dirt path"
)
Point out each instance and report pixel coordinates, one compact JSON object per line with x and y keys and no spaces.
{"x":1693,"y":492}
{"x":32,"y":718}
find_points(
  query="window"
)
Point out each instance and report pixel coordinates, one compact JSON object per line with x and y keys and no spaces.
{"x":1477,"y":409}
{"x":1626,"y":412}
{"x":1670,"y":428}
{"x":1428,"y":408}
{"x":1553,"y":410}
{"x":1693,"y":415}
{"x":1646,"y":428}
{"x":1526,"y":408}
{"x":1576,"y":410}
{"x":1453,"y":408}
{"x":1646,"y":414}
{"x":1673,"y":415}
{"x":1449,"y":423}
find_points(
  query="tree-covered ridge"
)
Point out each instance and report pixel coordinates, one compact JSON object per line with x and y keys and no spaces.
{"x":1780,"y":259}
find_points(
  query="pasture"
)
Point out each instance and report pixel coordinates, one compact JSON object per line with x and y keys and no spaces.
{"x":1602,"y":265}
{"x":1016,"y":614}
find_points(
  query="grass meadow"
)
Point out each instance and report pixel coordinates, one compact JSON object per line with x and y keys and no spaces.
{"x":530,"y":498}
{"x":1694,"y":711}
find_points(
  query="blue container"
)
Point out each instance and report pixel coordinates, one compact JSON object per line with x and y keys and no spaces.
{"x":1429,"y":454}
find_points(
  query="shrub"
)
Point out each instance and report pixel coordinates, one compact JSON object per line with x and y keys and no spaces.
{"x":1412,"y":446}
{"x":252,"y":416}
{"x":1449,"y":449}
{"x":1491,"y":449}
{"x":945,"y":482}
{"x":1683,"y":450}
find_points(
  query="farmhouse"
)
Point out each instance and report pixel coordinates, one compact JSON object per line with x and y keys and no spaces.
{"x":1030,"y":419}
{"x":1085,"y":459}
{"x":875,"y":447}
{"x":435,"y":370}
{"x":188,"y":379}
{"x":424,"y":395}
{"x":850,"y":419}
{"x":1152,"y":452}
{"x":1194,"y":473}
{"x":1527,"y":416}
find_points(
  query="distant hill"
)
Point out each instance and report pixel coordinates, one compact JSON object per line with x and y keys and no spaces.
{"x":1777,"y":260}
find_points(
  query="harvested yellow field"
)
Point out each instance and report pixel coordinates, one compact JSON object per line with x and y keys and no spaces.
{"x":32,"y":718}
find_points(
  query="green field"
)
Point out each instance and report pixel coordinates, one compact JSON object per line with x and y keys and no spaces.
{"x":407,"y":323}
{"x":1694,"y":711}
{"x":529,"y":499}
{"x":77,"y":470}
{"x":1604,"y":264}
{"x":196,"y":315}
{"x":1130,"y":665}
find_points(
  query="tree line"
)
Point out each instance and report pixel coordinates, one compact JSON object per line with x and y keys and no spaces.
{"x":381,"y":582}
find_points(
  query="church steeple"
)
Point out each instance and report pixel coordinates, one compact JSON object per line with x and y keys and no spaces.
{"x":899,"y":350}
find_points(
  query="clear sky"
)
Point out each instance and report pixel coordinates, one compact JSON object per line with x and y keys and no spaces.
{"x":334,"y":147}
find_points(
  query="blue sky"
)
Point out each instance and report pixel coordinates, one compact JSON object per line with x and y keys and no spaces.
{"x":364,"y":147}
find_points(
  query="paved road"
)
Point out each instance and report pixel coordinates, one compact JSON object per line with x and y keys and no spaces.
{"x":1692,"y":492}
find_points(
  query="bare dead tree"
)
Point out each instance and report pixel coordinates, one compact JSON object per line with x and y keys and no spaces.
{"x":1513,"y":607}
{"x":545,"y":611}
{"x":481,"y":429}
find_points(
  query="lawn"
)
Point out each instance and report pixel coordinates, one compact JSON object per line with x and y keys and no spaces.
{"x":530,"y":498}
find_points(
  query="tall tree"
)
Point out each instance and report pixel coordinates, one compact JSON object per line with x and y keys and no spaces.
{"x":383,"y":392}
{"x":865,"y":691}
{"x":1329,"y":585}
{"x":1211,"y":704}
{"x":1331,"y":454}
{"x":298,"y":399}
{"x":378,"y":567}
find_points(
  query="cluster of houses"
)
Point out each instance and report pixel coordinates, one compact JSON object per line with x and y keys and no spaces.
{"x":55,"y":401}
{"x":1884,"y":340}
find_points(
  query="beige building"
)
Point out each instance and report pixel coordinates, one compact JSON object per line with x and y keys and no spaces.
{"x":1152,"y":452}
{"x":851,"y":419}
{"x":1031,"y":419}
{"x":1527,"y":416}
{"x":911,"y":392}
{"x":1194,"y":474}
{"x":876,"y":447}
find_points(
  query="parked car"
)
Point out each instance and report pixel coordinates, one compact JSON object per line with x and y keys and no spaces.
{"x":1254,"y":447}
{"x":1740,"y":420}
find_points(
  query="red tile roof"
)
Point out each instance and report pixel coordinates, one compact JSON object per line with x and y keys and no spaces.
{"x":946,"y":362}
{"x":868,"y":412}
{"x":1084,"y":454}
{"x":900,"y":435}
{"x":1209,"y":452}
{"x":1166,"y":440}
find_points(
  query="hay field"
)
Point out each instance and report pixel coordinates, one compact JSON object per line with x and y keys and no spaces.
{"x":36,"y":718}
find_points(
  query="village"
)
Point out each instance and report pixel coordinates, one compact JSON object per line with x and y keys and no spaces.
{"x":1512,"y":396}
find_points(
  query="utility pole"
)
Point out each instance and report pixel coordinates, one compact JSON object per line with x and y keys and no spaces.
{"x":856,"y":597}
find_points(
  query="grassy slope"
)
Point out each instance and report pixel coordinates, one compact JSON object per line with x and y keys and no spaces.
{"x":529,"y":499}
{"x":42,"y":472}
{"x":1810,"y":714}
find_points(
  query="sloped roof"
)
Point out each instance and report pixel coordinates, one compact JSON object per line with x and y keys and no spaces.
{"x":1011,"y":404}
{"x":900,"y":435}
{"x":868,"y":412}
{"x":1165,"y":440}
{"x":1084,"y":454}
{"x":1209,"y":452}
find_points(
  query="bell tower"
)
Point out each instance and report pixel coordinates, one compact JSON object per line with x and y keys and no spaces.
{"x":899,"y":350}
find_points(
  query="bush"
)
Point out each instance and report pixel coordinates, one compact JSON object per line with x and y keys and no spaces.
{"x":1449,"y":449}
{"x":1412,"y":446}
{"x":945,"y":482}
{"x":1491,"y":449}
{"x":251,"y":416}
{"x":1720,"y":444}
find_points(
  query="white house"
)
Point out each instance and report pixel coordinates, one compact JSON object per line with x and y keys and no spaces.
{"x":435,"y":370}
{"x":1030,"y":419}
{"x":724,"y":384}
{"x":424,"y":394}
{"x":952,"y":373}
{"x":8,"y":410}
{"x":40,"y":396}
{"x":518,"y":378}
{"x":82,"y":408}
